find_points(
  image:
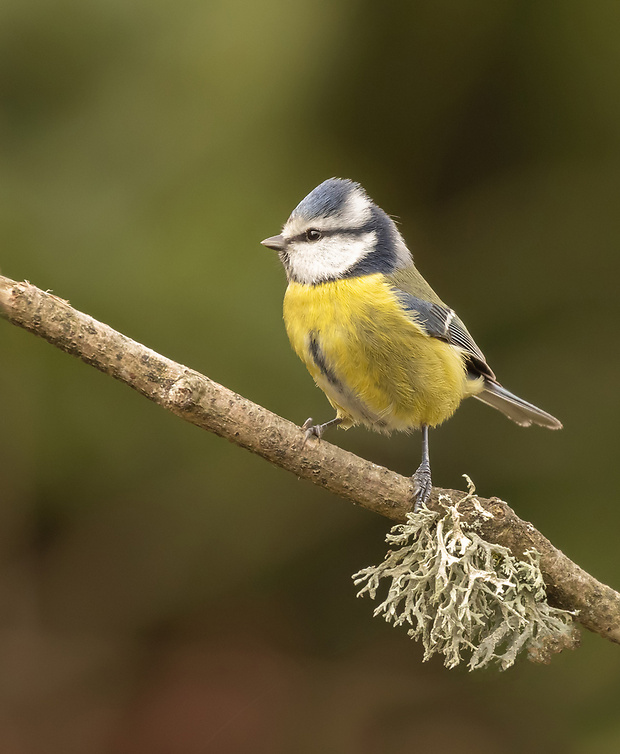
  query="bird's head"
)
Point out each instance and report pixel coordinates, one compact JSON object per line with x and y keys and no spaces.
{"x":337,"y":232}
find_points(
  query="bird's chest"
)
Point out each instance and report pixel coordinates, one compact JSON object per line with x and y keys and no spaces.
{"x":347,"y":319}
{"x":375,"y":364}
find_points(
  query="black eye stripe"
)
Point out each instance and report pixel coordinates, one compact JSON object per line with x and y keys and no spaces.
{"x":325,"y":233}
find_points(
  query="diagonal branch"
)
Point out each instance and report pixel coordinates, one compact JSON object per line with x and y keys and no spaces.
{"x":202,"y":402}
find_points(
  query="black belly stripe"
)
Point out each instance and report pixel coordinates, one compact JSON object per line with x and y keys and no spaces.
{"x":319,"y":359}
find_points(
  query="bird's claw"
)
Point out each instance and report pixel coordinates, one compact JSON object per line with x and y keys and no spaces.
{"x":311,"y":430}
{"x":422,"y":486}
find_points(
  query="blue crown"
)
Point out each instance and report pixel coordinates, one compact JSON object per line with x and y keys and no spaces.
{"x":326,"y":199}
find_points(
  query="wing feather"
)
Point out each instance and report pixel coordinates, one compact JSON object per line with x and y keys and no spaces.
{"x":439,"y":321}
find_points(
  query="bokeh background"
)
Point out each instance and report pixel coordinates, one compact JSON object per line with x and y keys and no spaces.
{"x":163,"y":591}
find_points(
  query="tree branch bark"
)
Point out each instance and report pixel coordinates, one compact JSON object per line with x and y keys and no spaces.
{"x":202,"y":402}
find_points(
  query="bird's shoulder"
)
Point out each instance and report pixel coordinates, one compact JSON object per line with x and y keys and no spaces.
{"x":438,"y":320}
{"x":409,"y":280}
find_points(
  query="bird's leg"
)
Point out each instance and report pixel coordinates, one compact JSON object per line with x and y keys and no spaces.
{"x":316,"y":430}
{"x":422,"y":477}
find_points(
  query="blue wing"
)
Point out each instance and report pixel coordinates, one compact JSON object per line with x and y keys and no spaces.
{"x":441,"y":322}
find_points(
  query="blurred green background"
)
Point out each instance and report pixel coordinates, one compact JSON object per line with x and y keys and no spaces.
{"x":163,"y":591}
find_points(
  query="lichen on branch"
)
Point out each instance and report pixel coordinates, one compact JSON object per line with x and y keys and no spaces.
{"x":463,"y":595}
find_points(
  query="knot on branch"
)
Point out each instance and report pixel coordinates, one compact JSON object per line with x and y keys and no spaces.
{"x":185,"y":392}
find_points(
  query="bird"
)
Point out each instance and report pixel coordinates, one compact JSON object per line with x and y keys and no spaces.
{"x":375,"y":337}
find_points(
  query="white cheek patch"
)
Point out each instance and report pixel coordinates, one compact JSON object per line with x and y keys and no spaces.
{"x":328,"y":258}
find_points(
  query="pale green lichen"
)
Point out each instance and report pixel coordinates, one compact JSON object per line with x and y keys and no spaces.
{"x":461,"y":594}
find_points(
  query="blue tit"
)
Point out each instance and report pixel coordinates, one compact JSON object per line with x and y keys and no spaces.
{"x":378,"y":341}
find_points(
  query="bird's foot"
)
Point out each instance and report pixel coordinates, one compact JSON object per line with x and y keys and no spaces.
{"x":422,"y":485}
{"x":312,"y":430}
{"x":316,"y":430}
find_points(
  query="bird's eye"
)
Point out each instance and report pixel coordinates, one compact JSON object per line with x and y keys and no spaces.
{"x":312,"y":234}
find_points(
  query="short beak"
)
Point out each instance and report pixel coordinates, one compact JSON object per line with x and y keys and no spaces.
{"x":278,"y":243}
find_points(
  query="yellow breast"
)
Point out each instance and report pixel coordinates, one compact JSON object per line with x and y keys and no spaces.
{"x":374,"y":363}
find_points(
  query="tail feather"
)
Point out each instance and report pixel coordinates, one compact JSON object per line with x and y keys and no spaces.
{"x":516,"y":408}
